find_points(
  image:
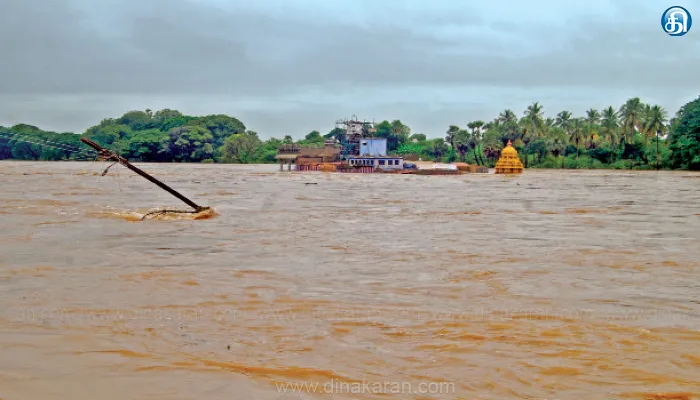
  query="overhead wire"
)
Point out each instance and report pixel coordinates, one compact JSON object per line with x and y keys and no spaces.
{"x":86,"y":154}
{"x":83,"y":154}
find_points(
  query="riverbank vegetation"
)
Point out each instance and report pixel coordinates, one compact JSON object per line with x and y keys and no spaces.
{"x":634,"y":135}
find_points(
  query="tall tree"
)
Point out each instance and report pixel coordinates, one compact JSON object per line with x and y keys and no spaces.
{"x":556,"y":141}
{"x":563,"y":121}
{"x":592,"y":116}
{"x":450,"y":135}
{"x":509,"y":123}
{"x":656,"y":125}
{"x":439,"y":147}
{"x":400,"y":134}
{"x":533,"y":127}
{"x":610,"y":128}
{"x":241,"y":148}
{"x":592,"y":127}
{"x":418,"y":137}
{"x":461,"y":141}
{"x":631,"y":115}
{"x":476,"y":138}
{"x":684,"y":137}
{"x":578,"y":133}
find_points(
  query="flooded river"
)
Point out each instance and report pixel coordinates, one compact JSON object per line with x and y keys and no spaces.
{"x":550,"y":285}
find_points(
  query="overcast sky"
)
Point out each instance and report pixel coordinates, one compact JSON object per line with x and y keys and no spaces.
{"x":292,"y":66}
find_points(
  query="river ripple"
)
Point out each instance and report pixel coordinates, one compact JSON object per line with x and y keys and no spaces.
{"x":549,"y":285}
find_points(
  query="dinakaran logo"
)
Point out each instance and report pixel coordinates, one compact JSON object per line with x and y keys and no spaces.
{"x":676,"y":21}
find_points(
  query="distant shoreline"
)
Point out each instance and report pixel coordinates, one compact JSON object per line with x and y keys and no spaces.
{"x":285,"y":172}
{"x":634,"y":136}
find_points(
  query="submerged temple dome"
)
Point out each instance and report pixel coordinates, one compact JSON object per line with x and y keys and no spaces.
{"x":509,"y":163}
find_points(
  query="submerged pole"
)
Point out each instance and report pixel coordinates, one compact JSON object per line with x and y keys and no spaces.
{"x":108,"y":155}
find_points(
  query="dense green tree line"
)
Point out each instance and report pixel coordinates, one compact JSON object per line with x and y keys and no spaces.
{"x":634,"y":135}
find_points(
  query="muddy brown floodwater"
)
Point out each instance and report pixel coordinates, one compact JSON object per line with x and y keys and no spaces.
{"x":550,"y":285}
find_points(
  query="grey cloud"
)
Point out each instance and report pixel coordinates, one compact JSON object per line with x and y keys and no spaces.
{"x":178,"y":48}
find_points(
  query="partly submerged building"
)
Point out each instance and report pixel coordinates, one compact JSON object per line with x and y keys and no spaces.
{"x":376,"y":162}
{"x":307,"y":158}
{"x":287,"y":153}
{"x":373,"y":147}
{"x":373,"y":154}
{"x":509,"y":162}
{"x":355,"y":150}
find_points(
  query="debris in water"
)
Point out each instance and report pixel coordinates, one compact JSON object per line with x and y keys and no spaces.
{"x":206,"y":213}
{"x":162,"y":215}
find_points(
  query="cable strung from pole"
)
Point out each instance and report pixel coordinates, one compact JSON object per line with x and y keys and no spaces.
{"x":86,"y":154}
{"x":107,"y":155}
{"x":44,"y":142}
{"x":60,"y":145}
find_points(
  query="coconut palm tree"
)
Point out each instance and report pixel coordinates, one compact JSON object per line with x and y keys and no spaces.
{"x":507,"y":116}
{"x":592,"y":117}
{"x":533,"y":126}
{"x":609,"y":128}
{"x":592,"y":127}
{"x":492,"y":128}
{"x":556,"y":142}
{"x":656,"y":125}
{"x":563,"y":121}
{"x":509,"y":123}
{"x":578,"y":133}
{"x":631,"y":116}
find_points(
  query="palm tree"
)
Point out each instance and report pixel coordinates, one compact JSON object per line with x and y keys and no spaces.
{"x":656,"y":124}
{"x":492,"y":141}
{"x":631,"y":115}
{"x":563,"y":121}
{"x":476,"y":137}
{"x":492,"y":128}
{"x":399,"y":135}
{"x":533,"y":126}
{"x":461,"y":141}
{"x":592,"y":127}
{"x":451,"y":132}
{"x":507,"y":116}
{"x":439,"y":147}
{"x":509,"y":122}
{"x":578,"y":133}
{"x":592,"y":116}
{"x":609,"y":128}
{"x":556,"y":142}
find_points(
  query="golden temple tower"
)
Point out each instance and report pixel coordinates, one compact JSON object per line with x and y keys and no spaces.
{"x":509,"y":163}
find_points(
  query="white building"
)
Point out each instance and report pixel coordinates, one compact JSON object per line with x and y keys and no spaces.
{"x":376,"y":162}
